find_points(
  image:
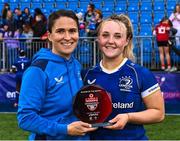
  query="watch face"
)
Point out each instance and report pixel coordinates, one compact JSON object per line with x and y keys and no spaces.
{"x":92,"y":104}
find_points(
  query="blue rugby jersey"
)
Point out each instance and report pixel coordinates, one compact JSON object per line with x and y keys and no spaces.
{"x":128,"y":85}
{"x":22,"y":63}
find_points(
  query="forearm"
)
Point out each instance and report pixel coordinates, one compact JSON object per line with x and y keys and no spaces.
{"x":37,"y":124}
{"x":146,"y":117}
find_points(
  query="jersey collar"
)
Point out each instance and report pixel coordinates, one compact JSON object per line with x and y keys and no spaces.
{"x":114,"y":70}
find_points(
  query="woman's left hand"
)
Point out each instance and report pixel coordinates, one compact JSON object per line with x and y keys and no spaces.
{"x":118,"y":122}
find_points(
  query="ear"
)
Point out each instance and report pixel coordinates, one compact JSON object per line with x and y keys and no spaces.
{"x":97,"y":39}
{"x":127,"y":42}
{"x":49,"y":36}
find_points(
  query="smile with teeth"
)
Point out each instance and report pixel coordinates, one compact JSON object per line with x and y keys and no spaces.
{"x":111,"y":47}
{"x":67,"y":44}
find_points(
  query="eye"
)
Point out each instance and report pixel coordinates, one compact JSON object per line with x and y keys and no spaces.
{"x":105,"y":35}
{"x":117,"y":36}
{"x":73,"y":30}
{"x":60,"y":31}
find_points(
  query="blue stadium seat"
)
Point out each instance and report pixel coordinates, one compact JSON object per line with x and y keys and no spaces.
{"x":32,"y":11}
{"x":47,"y":1}
{"x":145,"y":30}
{"x":25,"y":1}
{"x":107,"y":9}
{"x":145,"y":17}
{"x":60,"y":5}
{"x":147,"y":58}
{"x":3,"y":1}
{"x":98,"y":4}
{"x":73,"y":5}
{"x":83,"y":4}
{"x":129,"y":1}
{"x":73,"y":0}
{"x":14,"y":5}
{"x":45,"y":11}
{"x":36,"y":1}
{"x":109,"y":3}
{"x":170,"y":5}
{"x":169,"y":12}
{"x":36,"y":5}
{"x":159,"y":5}
{"x":24,"y":5}
{"x":133,"y":6}
{"x":158,"y":15}
{"x":134,"y":17}
{"x":135,"y":29}
{"x":61,"y":0}
{"x":147,"y":50}
{"x":48,"y":6}
{"x":120,"y":7}
{"x":106,"y":14}
{"x":146,"y":6}
{"x":81,"y":9}
{"x":13,"y":1}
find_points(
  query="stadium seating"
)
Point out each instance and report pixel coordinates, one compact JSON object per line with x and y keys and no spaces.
{"x":24,"y":5}
{"x":133,"y":6}
{"x":146,"y":6}
{"x":145,"y":17}
{"x":134,"y":16}
{"x":158,"y":15}
{"x":145,"y":29}
{"x":139,"y":11}
{"x":159,"y":5}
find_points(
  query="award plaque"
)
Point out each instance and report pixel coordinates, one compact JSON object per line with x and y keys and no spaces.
{"x":93,"y":105}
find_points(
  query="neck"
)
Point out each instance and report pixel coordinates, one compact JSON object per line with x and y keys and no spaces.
{"x":111,"y":64}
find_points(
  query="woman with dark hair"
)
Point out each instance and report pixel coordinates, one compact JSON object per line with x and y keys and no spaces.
{"x":51,"y":82}
{"x":162,"y":36}
{"x":5,"y":9}
{"x":89,"y":19}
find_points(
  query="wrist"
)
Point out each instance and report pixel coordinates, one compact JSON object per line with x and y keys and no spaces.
{"x":128,"y":117}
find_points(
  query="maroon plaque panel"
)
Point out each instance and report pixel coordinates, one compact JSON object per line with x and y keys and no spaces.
{"x":92,"y":104}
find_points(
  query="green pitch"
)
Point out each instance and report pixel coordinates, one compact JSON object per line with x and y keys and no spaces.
{"x":169,"y":129}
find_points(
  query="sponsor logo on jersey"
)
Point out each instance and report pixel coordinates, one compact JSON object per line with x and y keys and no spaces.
{"x":120,"y":105}
{"x":125,"y":83}
{"x":91,"y":82}
{"x":153,"y":88}
{"x":59,"y":80}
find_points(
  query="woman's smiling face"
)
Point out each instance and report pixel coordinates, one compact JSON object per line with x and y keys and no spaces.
{"x":64,"y":36}
{"x":112,"y":39}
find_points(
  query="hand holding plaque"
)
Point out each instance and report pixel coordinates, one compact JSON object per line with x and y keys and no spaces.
{"x":93,"y":105}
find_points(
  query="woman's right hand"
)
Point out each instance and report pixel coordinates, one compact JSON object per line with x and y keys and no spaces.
{"x":79,"y":128}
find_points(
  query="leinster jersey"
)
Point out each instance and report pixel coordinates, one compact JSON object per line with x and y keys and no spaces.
{"x":128,"y":84}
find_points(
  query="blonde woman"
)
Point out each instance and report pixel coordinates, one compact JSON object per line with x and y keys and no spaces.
{"x":130,"y":85}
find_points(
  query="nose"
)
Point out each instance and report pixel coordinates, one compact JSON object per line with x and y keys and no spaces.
{"x":67,"y":36}
{"x":111,"y":40}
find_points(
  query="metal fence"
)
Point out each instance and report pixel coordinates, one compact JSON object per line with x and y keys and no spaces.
{"x":87,"y":52}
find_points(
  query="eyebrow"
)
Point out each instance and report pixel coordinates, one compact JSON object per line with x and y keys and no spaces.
{"x":68,"y":29}
{"x":106,"y":32}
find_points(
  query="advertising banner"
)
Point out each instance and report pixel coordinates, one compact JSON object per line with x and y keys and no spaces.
{"x":170,"y":86}
{"x":169,"y":83}
{"x":7,"y":92}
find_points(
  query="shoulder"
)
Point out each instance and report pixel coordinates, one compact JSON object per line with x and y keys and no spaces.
{"x":87,"y":71}
{"x":41,"y":63}
{"x":139,"y":70}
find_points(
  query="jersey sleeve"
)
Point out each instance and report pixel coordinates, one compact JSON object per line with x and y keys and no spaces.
{"x":32,"y":95}
{"x":148,"y":83}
